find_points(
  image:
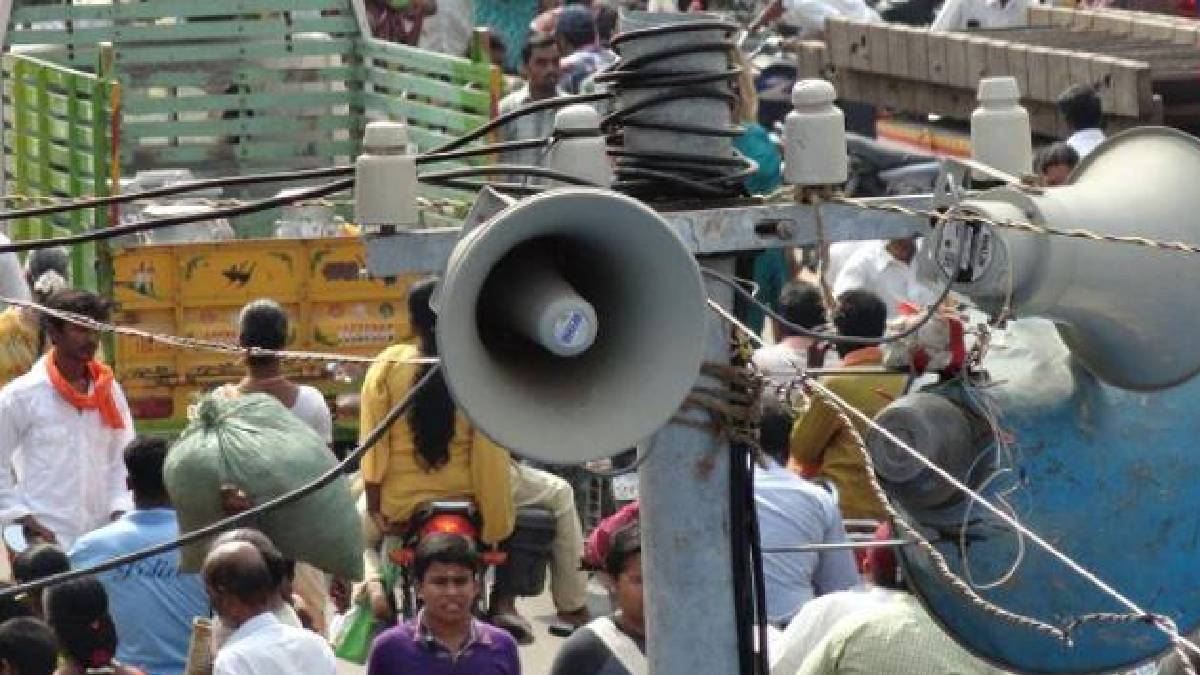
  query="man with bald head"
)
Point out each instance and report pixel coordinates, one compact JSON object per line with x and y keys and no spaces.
{"x":243,"y":593}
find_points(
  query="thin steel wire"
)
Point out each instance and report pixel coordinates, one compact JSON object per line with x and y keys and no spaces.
{"x":197,"y":344}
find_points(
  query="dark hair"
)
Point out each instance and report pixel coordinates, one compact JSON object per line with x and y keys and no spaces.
{"x":248,"y":579}
{"x":1053,"y":155}
{"x":12,"y":607}
{"x":144,"y":459}
{"x":262,"y":323}
{"x":53,"y":259}
{"x":280,"y":568}
{"x":1080,"y":107}
{"x":75,"y":301}
{"x":576,"y":25}
{"x":801,"y":303}
{"x":859,"y":313}
{"x":431,"y":416}
{"x":77,"y":610}
{"x":445,"y":548}
{"x":535,"y":40}
{"x":625,"y":542}
{"x":606,"y":22}
{"x":28,"y":646}
{"x":39,"y":561}
{"x":775,"y":430}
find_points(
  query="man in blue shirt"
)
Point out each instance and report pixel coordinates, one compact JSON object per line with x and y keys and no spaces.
{"x":151,"y":602}
{"x":794,"y":512}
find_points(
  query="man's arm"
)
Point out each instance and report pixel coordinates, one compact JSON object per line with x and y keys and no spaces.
{"x":119,"y":499}
{"x":813,"y":431}
{"x":836,"y":570}
{"x":12,"y":507}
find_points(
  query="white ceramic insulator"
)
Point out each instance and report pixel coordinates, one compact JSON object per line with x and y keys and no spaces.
{"x":1000,"y":135}
{"x":814,"y":136}
{"x":385,"y":179}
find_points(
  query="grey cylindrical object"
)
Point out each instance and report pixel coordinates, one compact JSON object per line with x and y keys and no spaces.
{"x":933,"y":426}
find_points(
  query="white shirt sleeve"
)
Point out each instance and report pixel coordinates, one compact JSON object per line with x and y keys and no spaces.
{"x":949,"y":17}
{"x":310,"y":407}
{"x":12,"y":506}
{"x":12,"y":279}
{"x":119,"y":497}
{"x":852,"y":276}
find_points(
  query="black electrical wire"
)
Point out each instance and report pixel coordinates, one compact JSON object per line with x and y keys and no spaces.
{"x":178,"y":188}
{"x":491,"y":149}
{"x":475,"y":186}
{"x":670,"y":52}
{"x":757,"y":574}
{"x":232,"y":521}
{"x":683,"y":27}
{"x":505,"y":170}
{"x":481,"y":131}
{"x":132,"y":228}
{"x":930,"y":311}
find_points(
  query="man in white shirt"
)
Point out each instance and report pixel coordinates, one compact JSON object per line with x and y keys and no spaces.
{"x":794,"y":512}
{"x":808,"y":17}
{"x":1080,"y":107}
{"x":63,"y":428}
{"x":242,"y":591}
{"x":961,"y":15}
{"x":783,"y":362}
{"x":887,"y":269}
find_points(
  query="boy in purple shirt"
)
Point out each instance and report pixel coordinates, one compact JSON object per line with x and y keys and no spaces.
{"x":445,"y":638}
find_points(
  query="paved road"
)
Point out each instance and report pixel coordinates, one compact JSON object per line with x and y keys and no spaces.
{"x":535,"y":658}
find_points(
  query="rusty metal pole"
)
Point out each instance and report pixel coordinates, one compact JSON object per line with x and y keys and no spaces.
{"x":687,"y":557}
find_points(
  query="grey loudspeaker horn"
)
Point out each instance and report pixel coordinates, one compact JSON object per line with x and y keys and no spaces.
{"x":571,"y":326}
{"x":1128,"y":313}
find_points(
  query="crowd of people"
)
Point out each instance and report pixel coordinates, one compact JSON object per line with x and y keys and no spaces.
{"x":81,"y":487}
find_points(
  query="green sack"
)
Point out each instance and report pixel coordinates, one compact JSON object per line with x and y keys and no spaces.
{"x":254,"y":443}
{"x":353,"y":644}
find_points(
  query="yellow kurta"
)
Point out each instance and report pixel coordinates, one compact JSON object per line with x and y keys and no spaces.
{"x":476,"y":468}
{"x":18,"y":345}
{"x":820,"y":439}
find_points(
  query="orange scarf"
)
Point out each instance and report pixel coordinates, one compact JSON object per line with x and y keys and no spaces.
{"x":100,"y":399}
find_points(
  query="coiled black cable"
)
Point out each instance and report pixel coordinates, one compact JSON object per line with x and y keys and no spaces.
{"x":652,"y":175}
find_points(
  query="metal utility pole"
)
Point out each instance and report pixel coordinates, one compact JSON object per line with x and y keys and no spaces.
{"x":687,"y":558}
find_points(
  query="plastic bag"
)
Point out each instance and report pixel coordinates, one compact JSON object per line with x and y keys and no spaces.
{"x":353,"y":644}
{"x":256,"y":445}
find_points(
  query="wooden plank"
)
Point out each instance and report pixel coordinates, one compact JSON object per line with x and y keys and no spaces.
{"x":1058,"y":73}
{"x":1018,"y":67}
{"x":1039,"y":15}
{"x":939,"y":69}
{"x":956,"y":61}
{"x":455,"y":95}
{"x":280,"y":153}
{"x":860,"y":59}
{"x":897,"y":50}
{"x":918,"y":48}
{"x":997,"y":58}
{"x":256,"y":126}
{"x":420,"y":113}
{"x":168,"y":8}
{"x":839,"y":39}
{"x":1081,"y":68}
{"x":231,"y":51}
{"x":426,"y":61}
{"x":1113,"y":23}
{"x":877,"y":48}
{"x":1038,"y":61}
{"x":236,"y":29}
{"x":244,"y":74}
{"x":977,"y":61}
{"x":140,"y":103}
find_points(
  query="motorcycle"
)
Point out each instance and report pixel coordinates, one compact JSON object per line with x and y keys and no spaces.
{"x":879,"y":170}
{"x":517,"y":565}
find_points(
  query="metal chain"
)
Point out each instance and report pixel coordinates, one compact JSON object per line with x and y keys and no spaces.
{"x":197,"y":344}
{"x":1064,"y":633}
{"x":1024,"y":226}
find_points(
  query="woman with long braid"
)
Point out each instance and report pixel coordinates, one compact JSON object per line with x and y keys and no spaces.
{"x":433,"y":453}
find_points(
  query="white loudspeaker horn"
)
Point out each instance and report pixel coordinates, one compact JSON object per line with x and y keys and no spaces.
{"x":571,"y":326}
{"x":1127,"y":312}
